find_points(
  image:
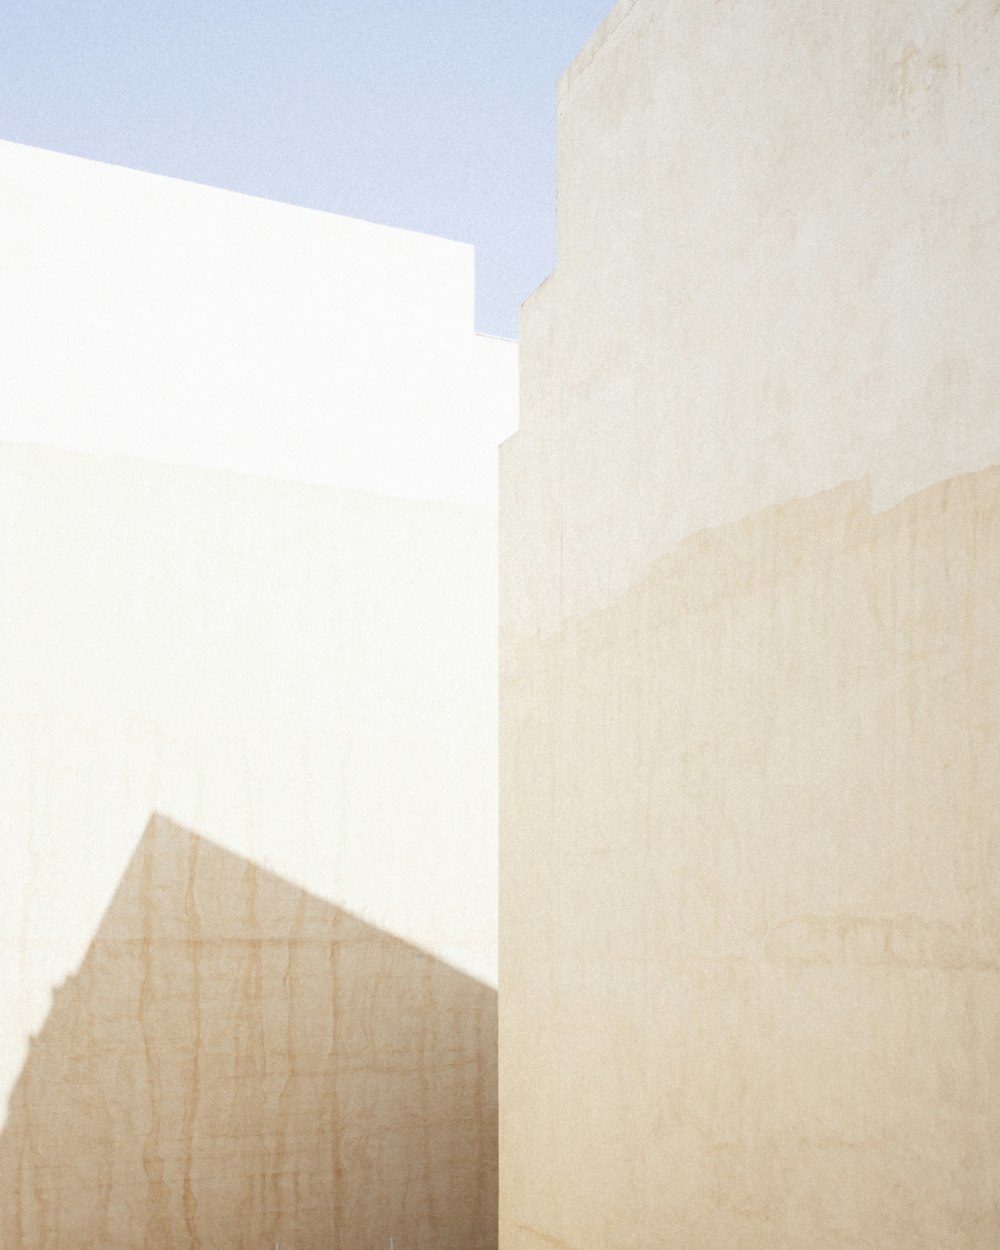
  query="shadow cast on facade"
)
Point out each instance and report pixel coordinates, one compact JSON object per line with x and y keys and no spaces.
{"x":238,"y":1063}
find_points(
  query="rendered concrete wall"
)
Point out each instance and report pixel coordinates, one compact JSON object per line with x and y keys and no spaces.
{"x":302,"y":672}
{"x":750,"y":666}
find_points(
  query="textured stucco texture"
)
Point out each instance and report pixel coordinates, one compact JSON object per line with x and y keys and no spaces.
{"x":750,"y":655}
{"x":238,"y":1063}
{"x":305,"y":677}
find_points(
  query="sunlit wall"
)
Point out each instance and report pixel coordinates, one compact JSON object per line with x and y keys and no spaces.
{"x":247,"y":563}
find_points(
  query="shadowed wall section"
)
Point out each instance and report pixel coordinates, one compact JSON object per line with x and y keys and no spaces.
{"x":762,"y":1007}
{"x":239,"y":1063}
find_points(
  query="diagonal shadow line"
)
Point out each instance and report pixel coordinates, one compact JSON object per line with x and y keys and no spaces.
{"x":239,"y":1063}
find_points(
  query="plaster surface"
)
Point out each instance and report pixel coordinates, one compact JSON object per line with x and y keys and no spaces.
{"x":777,"y":233}
{"x":147,"y":316}
{"x":305,"y":675}
{"x":248,"y":582}
{"x":750,"y":891}
{"x":239,"y":1063}
{"x":750,"y":669}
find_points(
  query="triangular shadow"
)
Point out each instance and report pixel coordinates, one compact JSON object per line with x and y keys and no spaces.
{"x":238,"y":1063}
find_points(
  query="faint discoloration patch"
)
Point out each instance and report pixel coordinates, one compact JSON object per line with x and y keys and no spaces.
{"x":889,"y":941}
{"x":546,"y":1238}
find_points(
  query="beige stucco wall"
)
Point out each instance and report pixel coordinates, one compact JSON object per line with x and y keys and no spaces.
{"x":750,"y":669}
{"x":776,"y":272}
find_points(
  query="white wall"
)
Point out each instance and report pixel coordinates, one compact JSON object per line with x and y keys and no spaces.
{"x":302,"y":671}
{"x":148,"y":316}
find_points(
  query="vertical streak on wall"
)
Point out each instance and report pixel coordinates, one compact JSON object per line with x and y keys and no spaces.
{"x":750,"y":669}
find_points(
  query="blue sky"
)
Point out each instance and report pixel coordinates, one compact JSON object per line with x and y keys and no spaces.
{"x":436,"y":115}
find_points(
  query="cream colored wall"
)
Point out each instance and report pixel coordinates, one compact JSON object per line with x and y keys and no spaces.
{"x":777,"y":240}
{"x":304,"y":675}
{"x":297,"y":662}
{"x":750,"y":672}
